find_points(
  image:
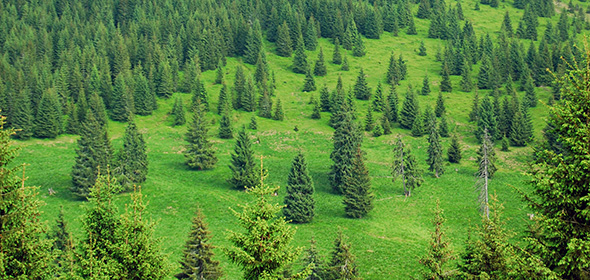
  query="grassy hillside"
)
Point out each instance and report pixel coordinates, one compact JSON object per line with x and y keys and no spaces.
{"x":387,"y":243}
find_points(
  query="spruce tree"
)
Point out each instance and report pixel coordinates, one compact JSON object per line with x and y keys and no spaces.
{"x":92,"y":154}
{"x":337,"y":56}
{"x":63,"y":249}
{"x":278,"y":114}
{"x":358,"y":197}
{"x":361,"y":88}
{"x":405,"y":166}
{"x":385,"y":125}
{"x":310,"y":35}
{"x":425,"y":86}
{"x":445,"y":83}
{"x":197,"y":260}
{"x":199,"y":96}
{"x":345,"y":66}
{"x":411,"y":27}
{"x":454,"y":152}
{"x":121,"y":100}
{"x":369,"y":121}
{"x":320,"y":65}
{"x":439,"y":253}
{"x":422,"y":49}
{"x":347,"y":138}
{"x":253,"y":43}
{"x":219,"y":75}
{"x":440,"y":109}
{"x":393,"y":72}
{"x":474,"y":113}
{"x":378,"y":102}
{"x":435,"y":153}
{"x":177,"y":113}
{"x":317,"y":109}
{"x":24,"y":254}
{"x":325,"y":99}
{"x":48,"y":123}
{"x":97,"y":107}
{"x":133,"y":162}
{"x":299,"y":201}
{"x":253,"y":123}
{"x":199,"y":151}
{"x":410,"y":110}
{"x":224,"y":100}
{"x":309,"y":84}
{"x":22,"y":116}
{"x":143,"y":96}
{"x":284,"y":43}
{"x":392,"y":105}
{"x":418,"y":126}
{"x":300,"y":64}
{"x":319,"y":269}
{"x":487,"y":120}
{"x":466,"y":82}
{"x":342,"y":263}
{"x":263,"y":250}
{"x":530,"y":97}
{"x":483,"y":77}
{"x":518,"y":136}
{"x":164,"y":82}
{"x":245,"y":171}
{"x":443,"y":127}
{"x":225,"y":127}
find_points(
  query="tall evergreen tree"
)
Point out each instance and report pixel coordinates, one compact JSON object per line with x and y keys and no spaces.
{"x":466,"y":82}
{"x":439,"y":253}
{"x":253,"y":43}
{"x":347,"y":138}
{"x":320,"y":64}
{"x":358,"y":197}
{"x":278,"y":114}
{"x":406,"y":167}
{"x":474,"y":113}
{"x":337,"y":56}
{"x":435,"y":153}
{"x":440,"y":109}
{"x":518,"y":136}
{"x":325,"y":99}
{"x":22,"y":116}
{"x":378,"y":102}
{"x":410,"y":110}
{"x":177,"y":113}
{"x":443,"y":127}
{"x":225,"y":127}
{"x":445,"y":83}
{"x":224,"y":100}
{"x":143,"y":97}
{"x":530,"y":97}
{"x":320,"y":269}
{"x":48,"y":123}
{"x":369,"y":121}
{"x":425,"y":86}
{"x":284,"y":43}
{"x":133,"y":161}
{"x":299,"y":202}
{"x":164,"y":81}
{"x":309,"y":83}
{"x":392,"y":105}
{"x":197,"y":260}
{"x":122,"y":102}
{"x":300,"y":64}
{"x":245,"y":172}
{"x":454,"y":152}
{"x":487,"y":120}
{"x":361,"y":88}
{"x":199,"y":151}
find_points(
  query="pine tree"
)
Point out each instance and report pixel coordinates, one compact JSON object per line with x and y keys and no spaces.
{"x":317,"y":109}
{"x":443,"y":127}
{"x":284,"y":43}
{"x":245,"y":172}
{"x":369,"y":121}
{"x":164,"y":81}
{"x":435,"y":153}
{"x":418,"y":126}
{"x":325,"y":99}
{"x":63,"y":248}
{"x":199,"y":151}
{"x":278,"y":114}
{"x":507,"y":25}
{"x":300,"y":64}
{"x":143,"y":96}
{"x":248,"y":100}
{"x":177,"y":113}
{"x":439,"y":253}
{"x":48,"y":123}
{"x":342,"y":264}
{"x":505,"y":144}
{"x":358,"y":197}
{"x":422,"y":49}
{"x":410,"y":110}
{"x":454,"y":152}
{"x":358,"y":47}
{"x":199,"y":96}
{"x":361,"y":88}
{"x":320,"y":64}
{"x":122,"y":101}
{"x":393,"y":72}
{"x":486,"y":156}
{"x":219,"y":75}
{"x":487,"y":120}
{"x":309,"y":84}
{"x":425,"y":86}
{"x":23,"y":253}
{"x":440,"y":109}
{"x":239,"y":89}
{"x":22,"y":116}
{"x":347,"y":138}
{"x":345,"y":66}
{"x":225,"y":127}
{"x":253,"y":43}
{"x":484,"y":75}
{"x":97,"y":107}
{"x":405,"y":166}
{"x":474,"y":114}
{"x":133,"y":163}
{"x":320,"y":268}
{"x":378,"y":102}
{"x":530,"y":97}
{"x":197,"y":260}
{"x":93,"y":154}
{"x":224,"y":100}
{"x":392,"y":102}
{"x":299,"y":202}
{"x":310,"y":36}
{"x":262,"y":72}
{"x":445,"y":83}
{"x":337,"y":56}
{"x":263,"y":250}
{"x":466,"y":82}
{"x":518,"y":136}
{"x":385,"y":125}
{"x":411,"y":27}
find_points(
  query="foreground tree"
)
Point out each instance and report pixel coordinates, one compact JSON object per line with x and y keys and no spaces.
{"x":23,"y":253}
{"x":319,"y":270}
{"x":405,"y":166}
{"x":133,"y":161}
{"x":358,"y":197}
{"x":299,"y":202}
{"x":199,"y":151}
{"x":342,"y":264}
{"x":197,"y":260}
{"x":264,"y":249}
{"x":245,"y":172}
{"x":439,"y":253}
{"x":347,"y":138}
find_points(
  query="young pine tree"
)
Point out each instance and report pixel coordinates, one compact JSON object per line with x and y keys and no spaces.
{"x":22,"y":116}
{"x":309,"y":83}
{"x":345,"y":66}
{"x":435,"y":153}
{"x":197,"y":260}
{"x":320,"y":64}
{"x":342,"y":263}
{"x":358,"y":197}
{"x":409,"y":111}
{"x":319,"y":269}
{"x":177,"y":113}
{"x":199,"y":151}
{"x":454,"y":152}
{"x":425,"y":86}
{"x":300,"y":64}
{"x":439,"y":254}
{"x":245,"y":172}
{"x":299,"y":202}
{"x":440,"y":106}
{"x":445,"y":83}
{"x":406,"y":167}
{"x":225,"y":127}
{"x":278,"y":114}
{"x":337,"y":56}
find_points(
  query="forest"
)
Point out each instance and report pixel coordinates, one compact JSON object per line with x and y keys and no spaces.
{"x":294,"y":139}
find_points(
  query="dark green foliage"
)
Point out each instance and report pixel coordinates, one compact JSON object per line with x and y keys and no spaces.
{"x":284,"y":43}
{"x":48,"y":123}
{"x":164,"y":81}
{"x":143,"y":97}
{"x":507,"y":25}
{"x":96,"y":106}
{"x":263,"y":250}
{"x":317,"y":108}
{"x":445,"y":83}
{"x":391,"y":107}
{"x":320,"y":64}
{"x":393,"y":72}
{"x":466,"y":82}
{"x":439,"y":253}
{"x":483,"y":77}
{"x":518,"y":136}
{"x":199,"y":151}
{"x":133,"y":161}
{"x":347,"y":138}
{"x":411,"y":27}
{"x":378,"y":102}
{"x":474,"y":114}
{"x":23,"y":253}
{"x":278,"y":114}
{"x":369,"y":121}
{"x":245,"y":171}
{"x":435,"y":153}
{"x":325,"y":98}
{"x":443,"y":128}
{"x":262,"y":72}
{"x":418,"y":126}
{"x":248,"y":100}
{"x":405,"y":166}
{"x":422,"y":49}
{"x":319,"y":269}
{"x":300,"y":64}
{"x":385,"y":125}
{"x":224,"y":104}
{"x":239,"y":89}
{"x":425,"y":86}
{"x":530,"y":97}
{"x":310,"y":35}
{"x":345,"y":66}
{"x":219,"y":75}
{"x":378,"y":130}
{"x":361,"y":88}
{"x":21,"y":116}
{"x":253,"y":43}
{"x":199,"y":96}
{"x":225,"y":127}
{"x":440,"y":109}
{"x":410,"y":110}
{"x":358,"y":197}
{"x":487,"y":120}
{"x":63,"y":248}
{"x":486,"y":156}
{"x":299,"y":202}
{"x":309,"y":84}
{"x":253,"y":123}
{"x":358,"y":47}
{"x":197,"y":261}
{"x":177,"y":113}
{"x":337,"y":56}
{"x":92,"y":154}
{"x":122,"y":102}
{"x":505,"y":144}
{"x":454,"y":152}
{"x":265,"y":106}
{"x":342,"y":263}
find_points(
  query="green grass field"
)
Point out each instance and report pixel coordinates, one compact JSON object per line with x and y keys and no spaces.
{"x":387,"y":243}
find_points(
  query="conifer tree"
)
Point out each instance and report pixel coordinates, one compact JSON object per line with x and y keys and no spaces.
{"x":443,"y":127}
{"x":342,"y":263}
{"x":309,"y":84}
{"x":245,"y":172}
{"x":225,"y":127}
{"x":278,"y":114}
{"x":263,"y":250}
{"x":143,"y":97}
{"x":121,"y":100}
{"x":265,"y":106}
{"x":310,"y":35}
{"x":422,"y":49}
{"x":385,"y":125}
{"x":197,"y":260}
{"x":262,"y":73}
{"x":474,"y":113}
{"x":347,"y":138}
{"x":361,"y":88}
{"x":345,"y":66}
{"x":133,"y":162}
{"x":393,"y":72}
{"x":164,"y":81}
{"x":409,"y":111}
{"x":248,"y":100}
{"x":440,"y":109}
{"x":63,"y":249}
{"x":435,"y":153}
{"x":405,"y":166}
{"x":358,"y":47}
{"x":445,"y":83}
{"x":439,"y":253}
{"x":317,"y":109}
{"x":337,"y":56}
{"x":219,"y":75}
{"x":378,"y":102}
{"x":97,"y":107}
{"x":518,"y":136}
{"x":425,"y":86}
{"x":507,"y":25}
{"x":253,"y":43}
{"x":319,"y":269}
{"x":418,"y":126}
{"x":177,"y":113}
{"x":199,"y":151}
{"x":392,"y":104}
{"x":369,"y":121}
{"x":224,"y":102}
{"x":284,"y":43}
{"x":358,"y":197}
{"x":199,"y":96}
{"x":320,"y":64}
{"x":483,"y":77}
{"x":411,"y":27}
{"x":300,"y":64}
{"x":487,"y":120}
{"x":325,"y":99}
{"x":454,"y":152}
{"x":253,"y":123}
{"x":22,"y":116}
{"x":299,"y":202}
{"x":486,"y":156}
{"x":239,"y":89}
{"x":466,"y":82}
{"x":530,"y":97}
{"x":92,"y":154}
{"x":48,"y":123}
{"x":24,"y":254}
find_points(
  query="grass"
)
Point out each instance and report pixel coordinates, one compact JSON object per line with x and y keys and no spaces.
{"x":389,"y":241}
